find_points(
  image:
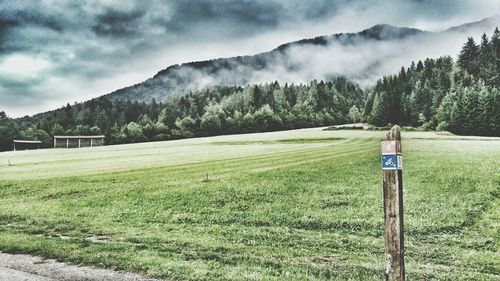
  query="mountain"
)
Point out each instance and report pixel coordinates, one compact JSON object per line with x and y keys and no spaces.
{"x":486,"y":23}
{"x":361,"y":57}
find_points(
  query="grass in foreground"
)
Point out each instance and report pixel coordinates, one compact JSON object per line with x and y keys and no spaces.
{"x":271,"y":208}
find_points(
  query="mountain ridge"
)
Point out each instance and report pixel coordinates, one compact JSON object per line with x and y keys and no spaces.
{"x":376,"y":32}
{"x":483,"y":22}
{"x":180,"y":79}
{"x":371,"y":33}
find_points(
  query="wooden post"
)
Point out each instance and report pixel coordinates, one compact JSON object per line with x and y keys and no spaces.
{"x":91,"y":143}
{"x":55,"y":141}
{"x":67,"y":142}
{"x":392,"y":176}
{"x":79,"y":142}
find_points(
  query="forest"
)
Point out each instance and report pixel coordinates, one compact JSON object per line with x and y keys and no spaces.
{"x":462,"y":97}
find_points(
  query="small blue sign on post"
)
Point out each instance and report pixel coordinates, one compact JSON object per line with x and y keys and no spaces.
{"x":390,"y":162}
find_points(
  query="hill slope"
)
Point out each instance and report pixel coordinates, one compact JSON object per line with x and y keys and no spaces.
{"x":362,"y":57}
{"x":264,"y":67}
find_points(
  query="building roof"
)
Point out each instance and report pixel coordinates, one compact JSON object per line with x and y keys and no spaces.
{"x":80,"y":137}
{"x":27,"y":141}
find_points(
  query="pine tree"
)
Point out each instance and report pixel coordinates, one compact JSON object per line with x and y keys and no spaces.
{"x":368,"y":105}
{"x":420,"y":66}
{"x":9,"y":130}
{"x":468,"y":58}
{"x":102,"y":119}
{"x":456,"y":111}
{"x":381,"y":109}
{"x":471,"y":110}
{"x":495,"y":40}
{"x":487,"y":60}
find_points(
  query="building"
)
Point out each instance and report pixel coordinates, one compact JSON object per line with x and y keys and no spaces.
{"x":78,"y":141}
{"x":26,"y":144}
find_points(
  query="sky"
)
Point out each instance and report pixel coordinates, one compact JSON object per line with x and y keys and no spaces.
{"x":55,"y":52}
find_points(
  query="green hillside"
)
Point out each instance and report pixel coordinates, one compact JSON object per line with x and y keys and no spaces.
{"x":439,"y":94}
{"x":302,"y":205}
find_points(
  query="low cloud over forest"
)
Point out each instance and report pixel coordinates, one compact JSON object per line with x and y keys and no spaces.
{"x":54,"y":52}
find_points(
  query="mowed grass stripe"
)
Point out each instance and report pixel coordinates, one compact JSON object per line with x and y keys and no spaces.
{"x":82,"y":167}
{"x":263,"y":162}
{"x":232,"y":162}
{"x":185,"y":174}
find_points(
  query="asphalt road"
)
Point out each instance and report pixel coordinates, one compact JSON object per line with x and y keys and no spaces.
{"x":30,"y":268}
{"x":7,"y":274}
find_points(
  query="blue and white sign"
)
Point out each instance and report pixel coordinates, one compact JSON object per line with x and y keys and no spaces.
{"x":390,"y":162}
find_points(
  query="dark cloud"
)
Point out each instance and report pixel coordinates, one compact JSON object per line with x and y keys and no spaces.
{"x":5,"y":26}
{"x":118,"y":24}
{"x":13,"y":16}
{"x":6,"y":23}
{"x":93,"y":47}
{"x":242,"y":16}
{"x":17,"y":92}
{"x":29,"y":17}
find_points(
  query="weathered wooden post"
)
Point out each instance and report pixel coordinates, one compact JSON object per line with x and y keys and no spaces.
{"x":392,"y":176}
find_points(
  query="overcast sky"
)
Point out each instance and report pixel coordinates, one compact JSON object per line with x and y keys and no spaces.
{"x":54,"y":52}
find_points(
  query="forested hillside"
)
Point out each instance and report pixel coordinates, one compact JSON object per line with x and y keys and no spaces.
{"x":360,"y":57}
{"x":462,"y":97}
{"x":285,"y":61}
{"x":219,"y":110}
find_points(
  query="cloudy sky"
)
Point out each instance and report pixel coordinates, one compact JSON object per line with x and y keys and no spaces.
{"x":54,"y":52}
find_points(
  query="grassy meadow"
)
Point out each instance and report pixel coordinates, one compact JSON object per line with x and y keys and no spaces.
{"x":294,"y":205}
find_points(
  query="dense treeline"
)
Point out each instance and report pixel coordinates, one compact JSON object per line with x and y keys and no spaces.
{"x":461,"y":97}
{"x":255,"y":108}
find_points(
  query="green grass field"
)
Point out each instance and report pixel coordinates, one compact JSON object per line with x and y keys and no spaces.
{"x":301,"y":205}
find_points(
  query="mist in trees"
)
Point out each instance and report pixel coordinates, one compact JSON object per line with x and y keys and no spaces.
{"x":462,"y":97}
